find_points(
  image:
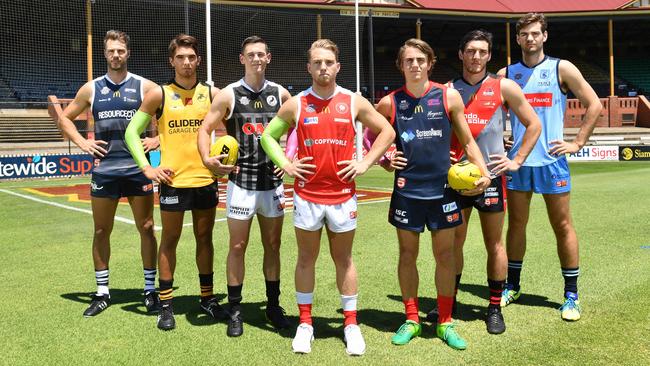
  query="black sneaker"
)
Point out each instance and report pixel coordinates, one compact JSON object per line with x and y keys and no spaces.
{"x":151,"y":301}
{"x":235,"y":324}
{"x":494,"y":321}
{"x":98,"y":304}
{"x":166,"y":316}
{"x":275,"y":314}
{"x":211,"y":307}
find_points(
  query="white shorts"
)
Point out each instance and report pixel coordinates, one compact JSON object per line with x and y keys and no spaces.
{"x":311,"y":216}
{"x":243,"y":204}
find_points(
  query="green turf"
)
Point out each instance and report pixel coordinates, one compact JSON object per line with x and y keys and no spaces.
{"x":46,"y":274}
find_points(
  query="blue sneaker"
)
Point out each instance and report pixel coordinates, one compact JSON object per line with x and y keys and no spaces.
{"x":570,"y":310}
{"x":509,"y":295}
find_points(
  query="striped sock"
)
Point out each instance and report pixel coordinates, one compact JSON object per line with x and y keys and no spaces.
{"x":207,"y":284}
{"x":149,"y":279}
{"x":165,"y":289}
{"x":571,"y":279}
{"x":101,"y":278}
{"x":411,"y":306}
{"x":304,"y":300}
{"x":349,"y":306}
{"x":496,"y":288}
{"x":514,"y":272}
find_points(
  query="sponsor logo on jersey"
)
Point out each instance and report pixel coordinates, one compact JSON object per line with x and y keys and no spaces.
{"x":309,"y":142}
{"x":176,"y":96}
{"x":401,"y":182}
{"x":405,"y":118}
{"x":353,"y":215}
{"x":561,"y":183}
{"x":116,"y":113}
{"x":129,"y":90}
{"x":540,"y":99}
{"x":94,"y":187}
{"x":346,"y":190}
{"x":418,"y":109}
{"x":104,"y":100}
{"x":244,"y":100}
{"x":201,"y":97}
{"x":427,"y":134}
{"x":474,"y":119}
{"x":169,"y":200}
{"x":402,"y":220}
{"x":434,"y":115}
{"x":310,"y":108}
{"x":342,"y":108}
{"x":407,"y":136}
{"x":130,"y":100}
{"x":147,"y":187}
{"x":488,"y":92}
{"x":489,"y":104}
{"x":453,"y":217}
{"x":258,"y":104}
{"x":252,"y":128}
{"x":449,"y":207}
{"x":434,"y":102}
{"x":272,"y":100}
{"x":325,"y":110}
{"x":491,"y":201}
{"x":116,"y":94}
{"x":175,"y":123}
{"x":301,"y":184}
{"x":310,"y":120}
{"x":343,"y":120}
{"x":403,"y":105}
{"x":337,"y":142}
{"x":236,"y":210}
{"x":105,"y":90}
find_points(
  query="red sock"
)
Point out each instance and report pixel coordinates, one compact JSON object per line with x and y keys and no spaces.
{"x":350,"y":317}
{"x":445,"y":304}
{"x":411,"y":309}
{"x":305,"y":313}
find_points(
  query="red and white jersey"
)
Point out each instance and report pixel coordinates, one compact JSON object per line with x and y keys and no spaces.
{"x":325,"y":131}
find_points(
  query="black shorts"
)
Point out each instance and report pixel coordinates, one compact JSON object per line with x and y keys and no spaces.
{"x":413,"y":214}
{"x":492,"y":200}
{"x":185,"y":199}
{"x":103,"y":186}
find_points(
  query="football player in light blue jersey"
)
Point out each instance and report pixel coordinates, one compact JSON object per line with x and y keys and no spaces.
{"x":545,"y":82}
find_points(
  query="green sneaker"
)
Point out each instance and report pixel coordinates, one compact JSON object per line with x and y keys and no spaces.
{"x":407,"y":331}
{"x":570,"y":310}
{"x":509,"y":295}
{"x":447,"y":333}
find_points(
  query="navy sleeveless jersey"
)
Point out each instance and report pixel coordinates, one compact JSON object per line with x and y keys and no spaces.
{"x":423,"y":134}
{"x":250,"y":113}
{"x":113,"y":105}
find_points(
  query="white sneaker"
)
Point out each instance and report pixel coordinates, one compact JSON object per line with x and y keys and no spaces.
{"x":354,"y":343}
{"x":302,"y":341}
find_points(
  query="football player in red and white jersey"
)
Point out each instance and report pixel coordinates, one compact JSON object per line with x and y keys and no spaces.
{"x":324,"y":172}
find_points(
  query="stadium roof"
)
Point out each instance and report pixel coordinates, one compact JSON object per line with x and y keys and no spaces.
{"x":504,"y":7}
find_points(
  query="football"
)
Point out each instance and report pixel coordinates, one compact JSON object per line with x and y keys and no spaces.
{"x":226,"y":145}
{"x":462,"y":175}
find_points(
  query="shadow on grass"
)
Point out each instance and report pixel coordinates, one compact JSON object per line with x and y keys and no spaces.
{"x":526,"y":299}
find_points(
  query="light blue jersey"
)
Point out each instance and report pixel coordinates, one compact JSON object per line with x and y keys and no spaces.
{"x":541,"y":85}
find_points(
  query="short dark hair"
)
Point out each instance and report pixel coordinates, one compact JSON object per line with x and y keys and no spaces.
{"x":183,"y":40}
{"x":115,"y":35}
{"x":476,"y":35}
{"x":531,"y":18}
{"x":254,"y":39}
{"x":420,"y":45}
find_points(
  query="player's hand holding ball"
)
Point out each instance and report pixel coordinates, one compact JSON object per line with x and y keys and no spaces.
{"x":223,"y":156}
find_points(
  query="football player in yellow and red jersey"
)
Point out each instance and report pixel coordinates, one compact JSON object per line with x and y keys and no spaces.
{"x":324,"y":171}
{"x":185,"y":183}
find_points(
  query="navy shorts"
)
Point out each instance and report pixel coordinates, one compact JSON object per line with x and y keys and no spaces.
{"x":103,"y":186}
{"x":548,"y":179}
{"x":413,"y":214}
{"x":186,"y":199}
{"x":492,"y":200}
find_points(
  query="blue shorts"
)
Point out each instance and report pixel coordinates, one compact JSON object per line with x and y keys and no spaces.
{"x":492,"y":200}
{"x":413,"y":214}
{"x":548,"y":179}
{"x":103,"y":186}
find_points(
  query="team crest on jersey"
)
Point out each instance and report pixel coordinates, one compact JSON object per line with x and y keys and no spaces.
{"x":244,"y":100}
{"x":310,"y":121}
{"x":272,"y":100}
{"x":310,"y":108}
{"x":403,"y":105}
{"x":488,"y":92}
{"x":543,"y":74}
{"x":201,"y":97}
{"x":518,"y":76}
{"x":105,"y":90}
{"x":341,"y":108}
{"x":401,"y":182}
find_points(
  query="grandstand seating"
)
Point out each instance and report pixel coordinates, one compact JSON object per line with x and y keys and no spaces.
{"x":28,"y":128}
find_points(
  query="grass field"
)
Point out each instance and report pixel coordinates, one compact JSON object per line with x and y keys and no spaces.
{"x":46,"y":275}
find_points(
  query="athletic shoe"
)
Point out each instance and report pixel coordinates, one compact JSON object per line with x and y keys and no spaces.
{"x":509,"y":295}
{"x":235,"y":323}
{"x":275,"y":314}
{"x":211,"y":307}
{"x":166,"y":316}
{"x":354,"y":343}
{"x":151,"y":301}
{"x":571,"y":308}
{"x":494,"y":321}
{"x":302,"y":341}
{"x":98,"y":304}
{"x":448,"y":334}
{"x":407,"y":331}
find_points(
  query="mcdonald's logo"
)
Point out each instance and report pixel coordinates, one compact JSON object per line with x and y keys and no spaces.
{"x":419,"y":109}
{"x":325,"y":110}
{"x":258,"y":104}
{"x":116,"y":94}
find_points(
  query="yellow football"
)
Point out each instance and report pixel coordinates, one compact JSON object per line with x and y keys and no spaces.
{"x":226,"y":145}
{"x":462,"y":175}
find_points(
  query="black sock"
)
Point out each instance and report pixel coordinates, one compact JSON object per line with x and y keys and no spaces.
{"x":206,"y":283}
{"x":570,"y":279}
{"x":273,"y":293}
{"x":234,"y":295}
{"x":514,"y":272}
{"x":496,"y":287}
{"x":453,"y":307}
{"x":165,"y":290}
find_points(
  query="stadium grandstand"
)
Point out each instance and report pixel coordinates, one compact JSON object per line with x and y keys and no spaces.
{"x":57,"y":46}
